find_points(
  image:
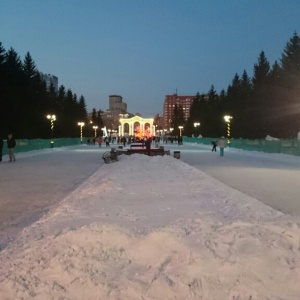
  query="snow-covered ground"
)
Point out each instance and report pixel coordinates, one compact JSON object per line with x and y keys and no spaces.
{"x":147,"y":227}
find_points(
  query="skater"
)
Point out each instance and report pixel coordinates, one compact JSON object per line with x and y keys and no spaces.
{"x":99,"y":141}
{"x":11,"y":143}
{"x":106,"y":141}
{"x":222,"y":145}
{"x":214,"y":148}
{"x":123,"y":140}
{"x":148,"y":146}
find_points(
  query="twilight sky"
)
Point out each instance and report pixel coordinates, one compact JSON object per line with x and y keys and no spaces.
{"x":146,"y":49}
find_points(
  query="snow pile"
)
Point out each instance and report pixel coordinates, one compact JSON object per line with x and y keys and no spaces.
{"x":270,"y":138}
{"x":155,"y":228}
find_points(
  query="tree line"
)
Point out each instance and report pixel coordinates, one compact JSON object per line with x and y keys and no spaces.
{"x":25,"y":101}
{"x":266,"y":104}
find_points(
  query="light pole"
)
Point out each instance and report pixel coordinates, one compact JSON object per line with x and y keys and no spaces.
{"x":180,"y":130}
{"x":196,"y":124}
{"x":95,"y":128}
{"x":52,"y":118}
{"x":227,"y":120}
{"x":180,"y":135}
{"x":81,"y":124}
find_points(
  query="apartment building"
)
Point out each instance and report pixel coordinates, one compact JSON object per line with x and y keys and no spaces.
{"x":50,"y":79}
{"x":169,"y":105}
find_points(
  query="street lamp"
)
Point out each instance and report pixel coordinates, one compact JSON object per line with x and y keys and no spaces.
{"x":227,"y":120}
{"x":95,"y":128}
{"x":52,"y":118}
{"x":81,"y":124}
{"x":196,"y":124}
{"x":180,"y":130}
{"x":180,"y":135}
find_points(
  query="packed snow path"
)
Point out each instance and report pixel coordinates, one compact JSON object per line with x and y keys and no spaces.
{"x":39,"y":180}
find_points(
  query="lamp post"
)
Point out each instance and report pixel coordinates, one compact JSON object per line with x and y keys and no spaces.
{"x":95,"y":128}
{"x":52,"y":118}
{"x":180,"y":135}
{"x":180,"y":130}
{"x":227,"y":120}
{"x":196,"y":124}
{"x":81,"y":124}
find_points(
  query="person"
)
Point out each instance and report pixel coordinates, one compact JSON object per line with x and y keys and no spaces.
{"x":222,"y":145}
{"x":214,"y":148}
{"x":123,"y":140}
{"x":106,"y":141}
{"x":11,"y":144}
{"x":148,"y":146}
{"x":1,"y":147}
{"x":99,"y":141}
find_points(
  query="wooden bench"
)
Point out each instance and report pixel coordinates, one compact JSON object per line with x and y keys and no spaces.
{"x":137,"y":145}
{"x":153,"y":151}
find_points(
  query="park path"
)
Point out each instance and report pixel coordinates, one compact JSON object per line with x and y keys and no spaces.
{"x":38,"y":181}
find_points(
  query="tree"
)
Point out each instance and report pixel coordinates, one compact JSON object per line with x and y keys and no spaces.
{"x":29,"y":67}
{"x":214,"y":117}
{"x":290,"y":61}
{"x":290,"y":65}
{"x":3,"y":103}
{"x":177,"y":119}
{"x":261,"y":100}
{"x":2,"y":59}
{"x":13,"y":67}
{"x":261,"y":71}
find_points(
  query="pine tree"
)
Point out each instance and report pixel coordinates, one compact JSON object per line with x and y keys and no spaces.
{"x":3,"y":103}
{"x":290,"y":61}
{"x":29,"y":67}
{"x":177,"y":119}
{"x":261,"y":71}
{"x":261,"y":99}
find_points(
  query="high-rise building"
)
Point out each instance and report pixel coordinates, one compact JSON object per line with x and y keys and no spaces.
{"x":117,"y":106}
{"x":170,"y":101}
{"x":112,"y":115}
{"x":50,"y":79}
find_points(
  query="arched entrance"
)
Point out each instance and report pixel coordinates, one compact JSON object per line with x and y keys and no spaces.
{"x":137,"y":126}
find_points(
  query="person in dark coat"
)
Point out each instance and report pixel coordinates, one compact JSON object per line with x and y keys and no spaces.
{"x":1,"y":147}
{"x":148,"y":146}
{"x":11,"y":144}
{"x":214,"y":148}
{"x":123,"y":140}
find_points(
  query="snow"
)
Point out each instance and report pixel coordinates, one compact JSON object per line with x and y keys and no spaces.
{"x":147,"y":227}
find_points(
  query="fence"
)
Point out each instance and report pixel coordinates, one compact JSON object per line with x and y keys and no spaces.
{"x":38,"y":144}
{"x":286,"y":146}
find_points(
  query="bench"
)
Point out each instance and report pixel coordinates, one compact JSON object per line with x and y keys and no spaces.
{"x":137,"y":145}
{"x":110,"y":156}
{"x":153,"y":151}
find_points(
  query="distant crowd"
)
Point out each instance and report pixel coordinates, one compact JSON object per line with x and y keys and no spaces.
{"x":107,"y":140}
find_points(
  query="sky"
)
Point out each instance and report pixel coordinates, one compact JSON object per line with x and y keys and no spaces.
{"x":146,"y":227}
{"x":144,"y":50}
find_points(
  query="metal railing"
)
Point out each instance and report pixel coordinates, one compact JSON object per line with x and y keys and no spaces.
{"x":38,"y":144}
{"x":285,"y":146}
